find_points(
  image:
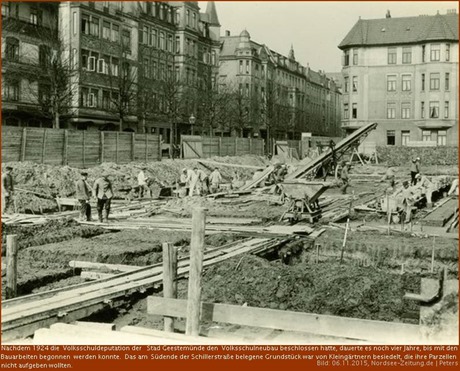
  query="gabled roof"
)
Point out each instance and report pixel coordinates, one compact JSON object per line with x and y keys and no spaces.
{"x":406,"y":30}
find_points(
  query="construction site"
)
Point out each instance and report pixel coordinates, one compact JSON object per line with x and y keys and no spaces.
{"x":265,"y":259}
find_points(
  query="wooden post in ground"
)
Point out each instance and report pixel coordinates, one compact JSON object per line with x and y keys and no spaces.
{"x":23,"y":144}
{"x":11,"y":266}
{"x":432,"y":254}
{"x":344,"y":241}
{"x":388,"y":213}
{"x":169,"y":279}
{"x":192,"y":325}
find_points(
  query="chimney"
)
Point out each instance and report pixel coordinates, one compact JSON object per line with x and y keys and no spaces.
{"x":227,"y":33}
{"x":388,"y":15}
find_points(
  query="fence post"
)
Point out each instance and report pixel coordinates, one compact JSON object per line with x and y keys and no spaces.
{"x":11,"y":266}
{"x":44,"y":146}
{"x":65,"y":155}
{"x":146,"y":147}
{"x":160,"y":154}
{"x":219,"y":147}
{"x":116,"y":147}
{"x":169,"y":279}
{"x":23,"y":144}
{"x":181,"y":145}
{"x":133,"y":144}
{"x":102,"y":147}
{"x":83,"y":144}
{"x":236,"y":146}
{"x":250,"y":146}
{"x":192,"y":324}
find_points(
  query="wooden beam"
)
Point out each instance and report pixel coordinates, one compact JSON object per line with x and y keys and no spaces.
{"x":11,"y":266}
{"x":192,"y":325}
{"x":44,"y":146}
{"x":169,"y":279}
{"x":65,"y":157}
{"x":229,"y":165}
{"x":102,"y":147}
{"x":103,"y":266}
{"x":326,"y":325}
{"x":23,"y":144}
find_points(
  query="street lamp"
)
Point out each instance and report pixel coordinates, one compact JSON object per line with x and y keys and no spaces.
{"x":192,"y":120}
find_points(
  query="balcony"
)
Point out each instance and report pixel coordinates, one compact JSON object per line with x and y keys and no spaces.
{"x":435,"y":124}
{"x":21,"y":25}
{"x":352,"y":124}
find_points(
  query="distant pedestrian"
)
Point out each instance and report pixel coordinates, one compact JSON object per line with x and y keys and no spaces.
{"x":143,"y":187}
{"x":408,"y":201}
{"x":344,"y":177}
{"x":192,"y":181}
{"x":390,"y":177}
{"x":7,"y":190}
{"x":414,"y":170}
{"x":83,"y":195}
{"x":215,"y":179}
{"x":102,"y":190}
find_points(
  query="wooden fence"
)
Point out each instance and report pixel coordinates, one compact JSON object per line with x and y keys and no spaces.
{"x":194,"y":146}
{"x":77,"y":148}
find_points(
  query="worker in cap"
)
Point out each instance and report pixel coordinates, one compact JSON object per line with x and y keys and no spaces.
{"x":414,"y":170}
{"x":344,"y":177}
{"x":83,"y":195}
{"x":103,"y":192}
{"x":7,"y":189}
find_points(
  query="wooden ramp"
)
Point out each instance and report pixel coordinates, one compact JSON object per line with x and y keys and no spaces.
{"x":440,"y":216}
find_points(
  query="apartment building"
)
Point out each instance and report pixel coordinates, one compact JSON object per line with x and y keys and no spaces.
{"x":403,"y":74}
{"x":283,"y":98}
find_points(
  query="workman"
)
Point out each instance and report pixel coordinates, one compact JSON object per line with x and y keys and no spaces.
{"x":390,"y":177}
{"x":143,"y":187}
{"x":453,"y":188}
{"x":7,"y":190}
{"x":103,"y":191}
{"x":407,"y":201}
{"x":192,"y":180}
{"x":414,"y":170}
{"x":215,"y":179}
{"x":203,"y":182}
{"x":83,"y":195}
{"x":344,"y":177}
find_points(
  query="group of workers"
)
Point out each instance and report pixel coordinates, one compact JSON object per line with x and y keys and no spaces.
{"x":198,"y":182}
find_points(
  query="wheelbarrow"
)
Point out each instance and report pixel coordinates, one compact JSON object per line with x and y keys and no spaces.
{"x":303,"y":197}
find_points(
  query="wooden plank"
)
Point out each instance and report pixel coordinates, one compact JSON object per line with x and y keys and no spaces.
{"x":11,"y":266}
{"x":102,"y":266}
{"x":326,"y":325}
{"x":23,"y":144}
{"x":216,"y":163}
{"x":44,"y":146}
{"x":169,"y":279}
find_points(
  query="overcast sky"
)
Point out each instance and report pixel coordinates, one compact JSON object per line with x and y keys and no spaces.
{"x":314,"y":28}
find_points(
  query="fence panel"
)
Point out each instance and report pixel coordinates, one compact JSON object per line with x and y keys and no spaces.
{"x":34,"y":145}
{"x":12,"y":138}
{"x":54,"y":146}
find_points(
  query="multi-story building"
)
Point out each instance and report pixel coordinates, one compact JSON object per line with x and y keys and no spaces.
{"x":281,"y":97}
{"x":29,"y":32}
{"x":403,"y":74}
{"x":130,"y":63}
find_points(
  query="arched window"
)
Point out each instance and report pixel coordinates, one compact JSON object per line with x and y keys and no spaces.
{"x":12,"y":49}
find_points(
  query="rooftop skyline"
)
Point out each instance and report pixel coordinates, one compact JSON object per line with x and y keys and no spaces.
{"x":315,"y":29}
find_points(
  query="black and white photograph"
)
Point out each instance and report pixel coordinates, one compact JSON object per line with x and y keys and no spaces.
{"x":229,"y":172}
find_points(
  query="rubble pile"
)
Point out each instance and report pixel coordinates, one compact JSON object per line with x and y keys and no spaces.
{"x":401,"y":155}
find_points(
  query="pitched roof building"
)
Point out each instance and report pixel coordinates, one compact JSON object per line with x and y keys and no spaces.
{"x":403,"y":74}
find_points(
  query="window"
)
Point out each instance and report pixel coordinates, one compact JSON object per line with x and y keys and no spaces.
{"x":405,"y":137}
{"x":144,"y":35}
{"x":346,"y":114}
{"x":435,"y":52}
{"x":170,"y":43}
{"x":391,"y":138}
{"x":101,"y":66}
{"x":154,"y":73}
{"x":391,"y":110}
{"x":355,"y":83}
{"x":241,"y":67}
{"x":188,"y":17}
{"x":423,"y":52}
{"x":74,"y":61}
{"x":407,"y":55}
{"x":106,"y":30}
{"x":423,"y":82}
{"x":426,"y":136}
{"x":194,"y":20}
{"x":146,"y":68}
{"x":91,"y":63}
{"x":214,"y":59}
{"x":12,"y":49}
{"x":442,"y":137}
{"x":434,"y":110}
{"x":354,"y":111}
{"x":115,"y":33}
{"x":105,"y":100}
{"x":85,"y":24}
{"x":346,"y":58}
{"x":247,"y":66}
{"x":446,"y":109}
{"x":447,"y":52}
{"x":94,"y":26}
{"x":6,"y":9}
{"x":346,"y":84}
{"x":44,"y":54}
{"x":406,"y":82}
{"x":177,"y":44}
{"x":422,"y":110}
{"x":405,"y":110}
{"x":35,"y":16}
{"x":447,"y":82}
{"x":74,"y":23}
{"x":434,"y":81}
{"x":126,"y":38}
{"x":392,"y":55}
{"x":355,"y":57}
{"x":391,"y":83}
{"x":11,"y":90}
{"x":153,"y":38}
{"x":114,"y":67}
{"x":162,"y":40}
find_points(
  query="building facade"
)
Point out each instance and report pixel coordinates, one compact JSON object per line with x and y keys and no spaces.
{"x":403,"y":74}
{"x":281,"y":97}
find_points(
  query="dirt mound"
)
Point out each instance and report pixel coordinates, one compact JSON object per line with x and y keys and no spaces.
{"x":38,"y":185}
{"x":348,"y":291}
